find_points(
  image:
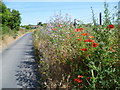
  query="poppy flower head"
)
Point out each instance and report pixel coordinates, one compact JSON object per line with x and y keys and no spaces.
{"x":76,"y":30}
{"x":84,"y":49}
{"x":85,"y":34}
{"x":88,"y":55}
{"x":54,"y":29}
{"x":79,"y":36}
{"x":91,"y":36}
{"x":89,"y":40}
{"x":79,"y":39}
{"x":88,"y":77}
{"x":80,"y":76}
{"x":78,"y":80}
{"x":110,"y":26}
{"x":94,"y":44}
{"x":81,"y":29}
{"x":111,"y":49}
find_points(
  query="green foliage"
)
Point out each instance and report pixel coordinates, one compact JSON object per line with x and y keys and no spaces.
{"x":44,"y":24}
{"x":10,"y":18}
{"x":26,"y":27}
{"x":107,"y":18}
{"x":40,"y":23}
{"x":15,"y":20}
{"x":93,"y":17}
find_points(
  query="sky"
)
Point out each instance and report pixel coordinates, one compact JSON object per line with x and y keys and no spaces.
{"x":36,"y":11}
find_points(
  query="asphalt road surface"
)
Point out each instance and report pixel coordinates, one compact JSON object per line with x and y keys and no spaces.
{"x":18,"y":64}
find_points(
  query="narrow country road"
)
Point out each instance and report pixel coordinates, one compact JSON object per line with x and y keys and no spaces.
{"x":18,"y":64}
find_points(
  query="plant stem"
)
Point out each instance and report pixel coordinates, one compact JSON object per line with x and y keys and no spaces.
{"x":93,"y":79}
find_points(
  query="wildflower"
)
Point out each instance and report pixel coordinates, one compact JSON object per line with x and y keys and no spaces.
{"x":81,"y":29}
{"x":89,"y":40}
{"x":80,"y":76}
{"x":114,"y":50}
{"x":79,"y":39}
{"x":79,"y":36}
{"x":94,"y":44}
{"x":54,"y":29}
{"x":59,"y":25}
{"x":88,"y":77}
{"x":111,"y":49}
{"x":76,"y":30}
{"x":78,"y":80}
{"x":91,"y":36}
{"x":110,"y":26}
{"x":85,"y":34}
{"x":88,"y":55}
{"x":84,"y":49}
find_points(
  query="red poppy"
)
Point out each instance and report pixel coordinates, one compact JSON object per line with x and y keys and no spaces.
{"x":89,"y":40}
{"x":114,"y":50}
{"x":81,"y":29}
{"x":111,"y":49}
{"x":77,"y":30}
{"x":110,"y":26}
{"x":59,"y":25}
{"x":88,"y":77}
{"x":79,"y":36}
{"x":80,"y":76}
{"x":78,"y":80}
{"x":84,"y":34}
{"x":94,"y":44}
{"x":54,"y":29}
{"x":84,"y":49}
{"x":79,"y":39}
{"x":88,"y":55}
{"x":91,"y":36}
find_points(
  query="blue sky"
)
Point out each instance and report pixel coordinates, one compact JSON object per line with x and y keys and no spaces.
{"x":34,"y":12}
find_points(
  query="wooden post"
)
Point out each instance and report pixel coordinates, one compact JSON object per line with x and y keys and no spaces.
{"x":100,"y":16}
{"x":119,"y":13}
{"x":75,"y":23}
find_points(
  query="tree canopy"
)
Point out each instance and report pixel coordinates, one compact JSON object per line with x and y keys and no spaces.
{"x":10,"y":18}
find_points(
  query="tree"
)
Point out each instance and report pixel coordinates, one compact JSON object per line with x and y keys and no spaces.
{"x":40,"y":23}
{"x":5,"y":13}
{"x":15,"y":20}
{"x":10,"y":18}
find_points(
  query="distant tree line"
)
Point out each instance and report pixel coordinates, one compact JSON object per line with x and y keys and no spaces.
{"x":10,"y":18}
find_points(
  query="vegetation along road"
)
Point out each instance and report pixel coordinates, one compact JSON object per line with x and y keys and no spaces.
{"x":18,"y":64}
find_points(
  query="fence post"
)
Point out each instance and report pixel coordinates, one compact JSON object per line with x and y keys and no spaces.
{"x":119,"y":13}
{"x":100,"y":17}
{"x":75,"y":23}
